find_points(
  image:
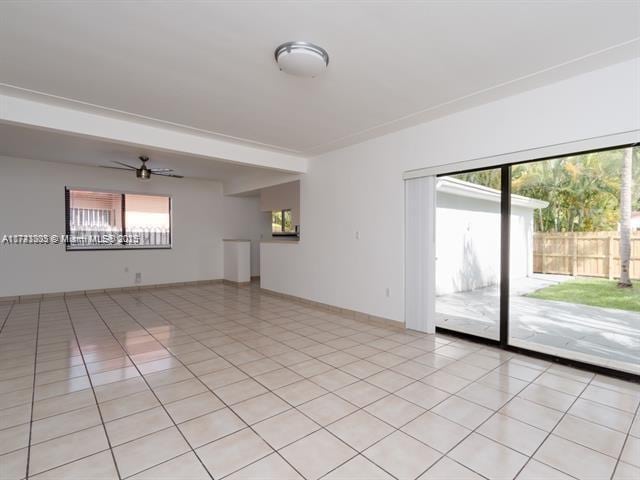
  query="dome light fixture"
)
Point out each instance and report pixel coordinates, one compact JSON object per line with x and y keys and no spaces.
{"x":302,"y":59}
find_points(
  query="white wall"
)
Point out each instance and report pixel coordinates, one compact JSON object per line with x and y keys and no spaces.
{"x":468,"y":243}
{"x":282,"y":197}
{"x":32,"y":201}
{"x":360,"y":188}
{"x":237,"y":261}
{"x":243,"y":219}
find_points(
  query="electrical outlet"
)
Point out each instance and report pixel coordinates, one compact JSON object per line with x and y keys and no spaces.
{"x":357,"y":235}
{"x":387,"y":292}
{"x":126,"y":269}
{"x":138,"y":277}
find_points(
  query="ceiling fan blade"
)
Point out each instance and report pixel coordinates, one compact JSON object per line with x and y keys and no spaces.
{"x":115,"y":168}
{"x":124,"y":165}
{"x":168,"y":175}
{"x":156,"y":170}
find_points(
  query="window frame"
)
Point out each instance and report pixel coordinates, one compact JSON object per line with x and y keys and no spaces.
{"x":282,"y":233}
{"x":122,"y":193}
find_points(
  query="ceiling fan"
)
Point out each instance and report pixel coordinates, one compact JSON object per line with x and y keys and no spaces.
{"x":143,"y":172}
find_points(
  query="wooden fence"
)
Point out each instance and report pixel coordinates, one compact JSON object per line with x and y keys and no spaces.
{"x":590,"y":254}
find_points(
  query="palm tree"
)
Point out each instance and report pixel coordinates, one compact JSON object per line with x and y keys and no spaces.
{"x":625,"y":217}
{"x":583,"y":190}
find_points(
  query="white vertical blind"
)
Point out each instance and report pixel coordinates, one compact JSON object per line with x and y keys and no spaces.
{"x":420,"y":259}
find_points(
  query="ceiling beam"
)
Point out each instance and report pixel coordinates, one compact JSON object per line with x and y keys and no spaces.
{"x":252,"y":185}
{"x":116,"y":127}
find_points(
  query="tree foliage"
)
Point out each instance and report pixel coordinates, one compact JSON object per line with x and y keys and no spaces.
{"x":583,"y":191}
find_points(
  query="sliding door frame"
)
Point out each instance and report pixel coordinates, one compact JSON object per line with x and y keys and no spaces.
{"x":505,"y":277}
{"x":505,"y":252}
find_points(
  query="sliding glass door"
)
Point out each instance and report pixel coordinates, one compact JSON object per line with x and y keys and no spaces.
{"x":468,"y":253}
{"x":544,"y":256}
{"x":567,"y":241}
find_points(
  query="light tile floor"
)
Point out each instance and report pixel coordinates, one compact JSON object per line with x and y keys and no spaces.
{"x":219,"y":382}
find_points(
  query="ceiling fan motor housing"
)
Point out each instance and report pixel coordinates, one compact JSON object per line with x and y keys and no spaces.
{"x":143,"y":173}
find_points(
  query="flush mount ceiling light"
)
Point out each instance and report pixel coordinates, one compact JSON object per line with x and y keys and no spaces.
{"x":302,"y":59}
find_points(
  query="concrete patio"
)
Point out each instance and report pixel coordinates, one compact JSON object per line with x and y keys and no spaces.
{"x":610,"y":335}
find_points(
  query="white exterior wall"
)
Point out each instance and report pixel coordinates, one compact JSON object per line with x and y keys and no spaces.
{"x":468,"y":243}
{"x":521,"y":254}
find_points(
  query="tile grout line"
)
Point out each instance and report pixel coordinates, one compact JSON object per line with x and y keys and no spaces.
{"x":228,"y":406}
{"x":293,"y":407}
{"x":416,"y":381}
{"x":239,"y":334}
{"x":319,"y":359}
{"x":358,"y":408}
{"x":516,"y":395}
{"x":274,"y":415}
{"x":564,"y":414}
{"x":250,"y":398}
{"x":471,"y":431}
{"x":95,"y":397}
{"x":143,"y":378}
{"x":483,"y":406}
{"x":359,"y":379}
{"x":6,"y":318}
{"x":626,"y":439}
{"x":430,"y":410}
{"x":475,"y":381}
{"x":496,"y":412}
{"x":33,"y":393}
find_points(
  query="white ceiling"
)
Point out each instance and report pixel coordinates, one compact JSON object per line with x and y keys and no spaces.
{"x":209,"y":65}
{"x":23,"y":142}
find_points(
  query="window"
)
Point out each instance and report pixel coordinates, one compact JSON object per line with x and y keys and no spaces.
{"x":91,"y":215}
{"x":106,"y":220}
{"x":282,"y":223}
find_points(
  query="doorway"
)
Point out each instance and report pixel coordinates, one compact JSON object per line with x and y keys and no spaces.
{"x":531,"y":256}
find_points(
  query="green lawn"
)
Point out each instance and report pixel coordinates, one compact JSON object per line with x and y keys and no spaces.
{"x":599,"y":293}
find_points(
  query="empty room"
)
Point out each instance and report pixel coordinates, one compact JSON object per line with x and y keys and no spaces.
{"x":339,"y":240}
